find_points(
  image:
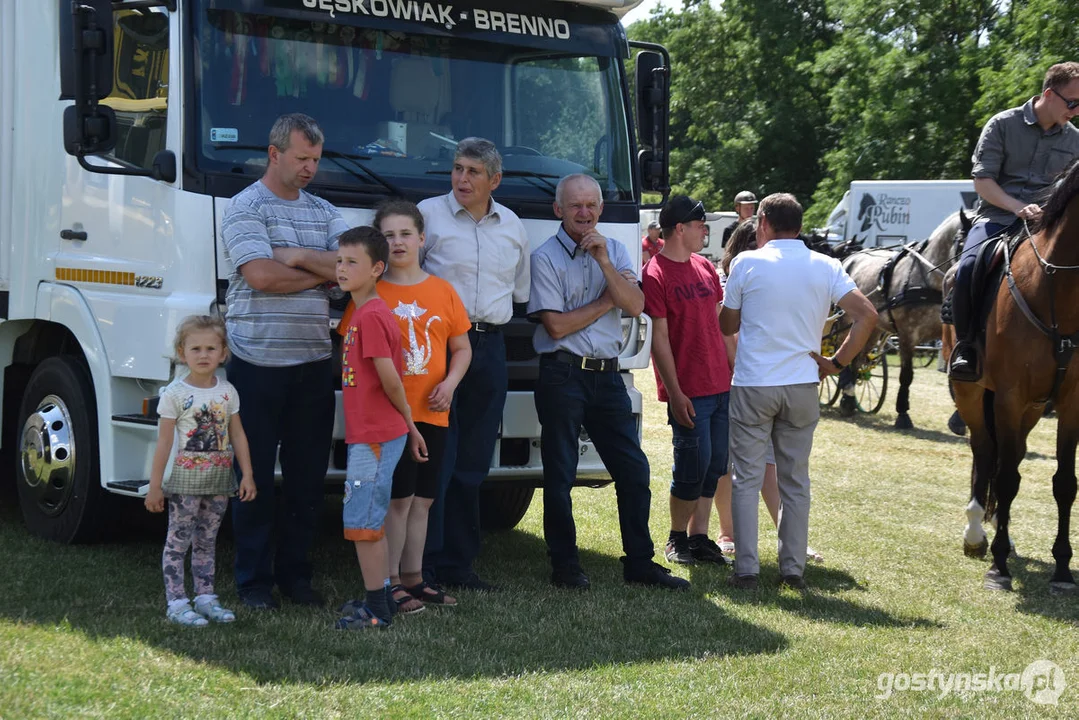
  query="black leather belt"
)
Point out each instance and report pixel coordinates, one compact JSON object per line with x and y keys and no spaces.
{"x":585,"y":363}
{"x":485,"y":327}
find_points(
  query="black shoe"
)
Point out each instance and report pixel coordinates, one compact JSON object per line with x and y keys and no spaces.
{"x":743,"y":582}
{"x":258,"y":599}
{"x":471,"y":582}
{"x":964,"y":363}
{"x":653,"y":575}
{"x":794,"y":582}
{"x":304,"y":595}
{"x":677,"y":551}
{"x":704,"y":549}
{"x":570,"y":577}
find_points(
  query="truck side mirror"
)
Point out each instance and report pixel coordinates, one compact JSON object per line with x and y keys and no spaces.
{"x":86,"y":47}
{"x":164,"y":166}
{"x":86,"y":50}
{"x":89,"y":133}
{"x":653,"y":74}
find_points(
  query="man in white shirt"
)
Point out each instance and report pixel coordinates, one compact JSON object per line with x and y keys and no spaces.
{"x":481,"y":248}
{"x":777,"y":299}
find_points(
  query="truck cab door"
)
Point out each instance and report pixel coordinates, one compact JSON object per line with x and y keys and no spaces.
{"x":118,"y":231}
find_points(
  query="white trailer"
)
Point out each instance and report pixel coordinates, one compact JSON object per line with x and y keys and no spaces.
{"x":127,"y":126}
{"x":886,"y":213}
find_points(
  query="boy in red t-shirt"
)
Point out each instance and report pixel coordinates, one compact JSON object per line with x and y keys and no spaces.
{"x":377,"y":420}
{"x":682,"y":295}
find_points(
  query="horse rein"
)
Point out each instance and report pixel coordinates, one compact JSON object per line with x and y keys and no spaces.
{"x":1063,"y":345}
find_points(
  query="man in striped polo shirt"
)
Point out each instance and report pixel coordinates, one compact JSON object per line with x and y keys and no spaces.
{"x":282,"y":242}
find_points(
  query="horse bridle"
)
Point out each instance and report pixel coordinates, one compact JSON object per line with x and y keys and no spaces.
{"x":1063,"y":345}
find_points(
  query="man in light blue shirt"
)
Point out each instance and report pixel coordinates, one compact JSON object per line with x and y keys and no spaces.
{"x":581,"y":284}
{"x":481,"y":248}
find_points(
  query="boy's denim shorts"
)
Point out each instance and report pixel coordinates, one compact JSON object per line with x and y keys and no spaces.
{"x":368,"y":482}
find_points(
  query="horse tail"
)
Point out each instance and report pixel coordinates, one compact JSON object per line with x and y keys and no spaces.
{"x":990,"y":427}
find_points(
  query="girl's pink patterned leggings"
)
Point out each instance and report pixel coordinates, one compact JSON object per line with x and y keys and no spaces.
{"x":193,"y":522}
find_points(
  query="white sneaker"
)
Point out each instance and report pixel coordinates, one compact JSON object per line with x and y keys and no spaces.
{"x":184,"y":615}
{"x":211,"y":609}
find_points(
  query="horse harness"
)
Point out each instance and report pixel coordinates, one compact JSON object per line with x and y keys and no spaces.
{"x":909,"y":295}
{"x":1063,"y":345}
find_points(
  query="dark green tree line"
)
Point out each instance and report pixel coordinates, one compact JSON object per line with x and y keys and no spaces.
{"x":805,"y":96}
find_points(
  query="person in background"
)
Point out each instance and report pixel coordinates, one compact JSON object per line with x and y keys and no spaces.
{"x":682,"y":295}
{"x":777,"y":300}
{"x":745,"y":204}
{"x":745,"y":238}
{"x":651,"y":243}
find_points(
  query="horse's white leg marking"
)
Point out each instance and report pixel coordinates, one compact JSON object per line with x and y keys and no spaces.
{"x":975,"y":533}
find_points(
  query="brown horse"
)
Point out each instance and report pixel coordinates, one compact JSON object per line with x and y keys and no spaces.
{"x":1032,"y":327}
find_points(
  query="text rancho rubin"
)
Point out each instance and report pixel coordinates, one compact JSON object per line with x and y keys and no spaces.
{"x":441,"y":14}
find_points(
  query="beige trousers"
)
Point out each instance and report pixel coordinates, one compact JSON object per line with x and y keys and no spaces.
{"x":787,"y":414}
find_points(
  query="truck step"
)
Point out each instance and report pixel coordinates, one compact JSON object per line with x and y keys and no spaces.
{"x":129,"y":487}
{"x":135,"y":419}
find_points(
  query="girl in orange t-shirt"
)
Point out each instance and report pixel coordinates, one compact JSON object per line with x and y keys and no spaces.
{"x":434,"y":324}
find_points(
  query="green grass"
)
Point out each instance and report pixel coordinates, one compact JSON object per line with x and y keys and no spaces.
{"x":82,"y":629}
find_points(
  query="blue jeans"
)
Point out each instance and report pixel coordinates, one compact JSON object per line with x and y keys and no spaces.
{"x":293,"y":407}
{"x":453,"y":525}
{"x":700,"y":452}
{"x":962,"y":302}
{"x":368,"y":481}
{"x":568,"y":397}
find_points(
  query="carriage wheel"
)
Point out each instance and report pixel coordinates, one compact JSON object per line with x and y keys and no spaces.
{"x":926,"y":355}
{"x":871,"y":385}
{"x":829,"y":391}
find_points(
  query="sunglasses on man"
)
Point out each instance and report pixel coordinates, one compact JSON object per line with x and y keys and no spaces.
{"x":1072,"y":104}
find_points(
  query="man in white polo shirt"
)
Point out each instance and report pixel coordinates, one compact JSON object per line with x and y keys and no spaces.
{"x":777,"y":299}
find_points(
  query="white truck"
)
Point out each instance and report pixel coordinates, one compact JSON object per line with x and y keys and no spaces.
{"x":128,"y":124}
{"x":885,"y":213}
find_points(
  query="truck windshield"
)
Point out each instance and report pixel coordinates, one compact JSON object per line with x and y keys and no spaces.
{"x":394,"y":104}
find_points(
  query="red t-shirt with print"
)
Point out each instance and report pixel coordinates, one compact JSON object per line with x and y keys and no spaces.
{"x":687,"y":294}
{"x":370,"y":417}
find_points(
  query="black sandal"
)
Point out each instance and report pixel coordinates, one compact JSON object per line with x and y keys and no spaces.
{"x":408,"y":604}
{"x":429,"y":594}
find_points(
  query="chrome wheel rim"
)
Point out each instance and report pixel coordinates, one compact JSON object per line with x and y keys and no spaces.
{"x":47,"y":455}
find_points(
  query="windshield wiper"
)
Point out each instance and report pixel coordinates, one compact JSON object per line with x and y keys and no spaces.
{"x":543,"y":180}
{"x":336,"y":156}
{"x":358,"y":161}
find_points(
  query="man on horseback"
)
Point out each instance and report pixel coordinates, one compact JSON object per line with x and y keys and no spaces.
{"x":1017,"y":158}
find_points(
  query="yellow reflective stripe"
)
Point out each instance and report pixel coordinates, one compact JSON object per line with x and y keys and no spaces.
{"x":103,"y":277}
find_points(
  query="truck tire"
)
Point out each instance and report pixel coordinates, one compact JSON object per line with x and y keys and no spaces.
{"x":57,"y":470}
{"x":502,"y":507}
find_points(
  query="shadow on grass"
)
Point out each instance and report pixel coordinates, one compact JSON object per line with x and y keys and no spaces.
{"x":820,"y":603}
{"x":114,"y":590}
{"x":1031,"y":580}
{"x":882,"y":424}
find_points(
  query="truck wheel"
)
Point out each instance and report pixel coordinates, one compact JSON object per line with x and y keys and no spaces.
{"x":502,"y":507}
{"x":57,"y":469}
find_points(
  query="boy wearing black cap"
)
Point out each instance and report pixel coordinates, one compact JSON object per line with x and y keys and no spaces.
{"x":682,"y":295}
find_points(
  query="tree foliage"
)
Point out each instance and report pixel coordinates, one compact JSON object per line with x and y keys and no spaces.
{"x":805,"y":96}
